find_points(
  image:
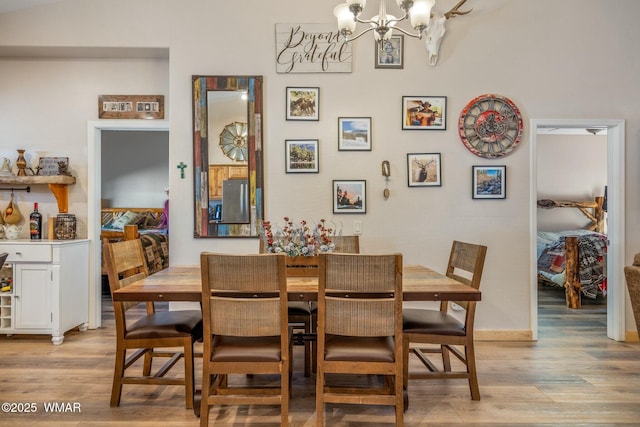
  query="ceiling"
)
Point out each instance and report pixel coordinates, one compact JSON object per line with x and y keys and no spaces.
{"x":11,"y":5}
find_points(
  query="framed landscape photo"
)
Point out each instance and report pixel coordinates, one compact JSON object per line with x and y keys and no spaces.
{"x":424,"y":112}
{"x":301,"y":156}
{"x":489,"y":182}
{"x":390,"y":54}
{"x":303,"y":103}
{"x":349,"y":197}
{"x":424,"y":170}
{"x":354,"y":133}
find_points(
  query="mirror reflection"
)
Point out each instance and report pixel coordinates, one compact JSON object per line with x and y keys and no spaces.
{"x":228,"y":155}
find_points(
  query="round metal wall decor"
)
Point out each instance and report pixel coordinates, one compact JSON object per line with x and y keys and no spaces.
{"x":490,"y":126}
{"x":233,"y":141}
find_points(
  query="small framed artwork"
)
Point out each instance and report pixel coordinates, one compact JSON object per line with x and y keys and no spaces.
{"x":131,"y":107}
{"x":303,"y":103}
{"x":301,"y":156}
{"x":50,"y":166}
{"x":489,"y":182}
{"x":424,"y":112}
{"x":349,"y":197}
{"x":354,"y":133}
{"x":424,"y":170}
{"x":390,"y":53}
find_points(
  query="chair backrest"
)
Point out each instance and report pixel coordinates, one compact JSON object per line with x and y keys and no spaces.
{"x":346,"y":244}
{"x":360,"y":295}
{"x":244,"y":295}
{"x":466,"y":263}
{"x":125,"y":264}
{"x":3,"y":258}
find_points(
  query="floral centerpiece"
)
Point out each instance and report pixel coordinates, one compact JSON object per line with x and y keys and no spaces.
{"x":297,"y":239}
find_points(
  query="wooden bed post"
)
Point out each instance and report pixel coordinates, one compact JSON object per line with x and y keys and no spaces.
{"x":572,"y":284}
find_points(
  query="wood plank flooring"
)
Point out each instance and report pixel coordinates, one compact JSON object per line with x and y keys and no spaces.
{"x":573,"y":375}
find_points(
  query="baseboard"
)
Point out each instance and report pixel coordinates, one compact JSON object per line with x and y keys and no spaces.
{"x":502,"y":335}
{"x":631,"y":336}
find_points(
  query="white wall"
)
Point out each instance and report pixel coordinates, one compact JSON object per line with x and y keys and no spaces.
{"x":528,"y":51}
{"x":570,"y":167}
{"x":135,"y":169}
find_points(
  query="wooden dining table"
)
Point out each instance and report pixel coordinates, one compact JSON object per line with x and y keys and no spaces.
{"x":183,"y":283}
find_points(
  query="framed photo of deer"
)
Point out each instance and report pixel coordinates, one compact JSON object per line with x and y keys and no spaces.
{"x":302,"y":156}
{"x":424,"y":170}
{"x":303,"y":103}
{"x":424,"y":112}
{"x":489,"y":182}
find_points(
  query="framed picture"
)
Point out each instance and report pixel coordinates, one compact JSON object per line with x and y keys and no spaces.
{"x":301,"y":156}
{"x":424,"y":112}
{"x":131,"y":107}
{"x":424,"y":170}
{"x":303,"y":103}
{"x":49,"y":166}
{"x":390,"y":54}
{"x":489,"y":182}
{"x":354,"y":133}
{"x":349,"y":197}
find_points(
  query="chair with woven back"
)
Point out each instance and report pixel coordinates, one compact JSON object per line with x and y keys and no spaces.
{"x":359,"y":331}
{"x":442,"y":330}
{"x":125,"y":264}
{"x":244,"y":305}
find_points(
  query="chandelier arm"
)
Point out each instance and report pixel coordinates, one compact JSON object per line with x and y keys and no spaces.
{"x":417,"y":36}
{"x":349,"y":39}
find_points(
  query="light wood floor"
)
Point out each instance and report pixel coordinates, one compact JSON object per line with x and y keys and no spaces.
{"x":572,"y":375}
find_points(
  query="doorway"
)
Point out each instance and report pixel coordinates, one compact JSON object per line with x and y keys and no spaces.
{"x":94,"y":147}
{"x":615,"y":202}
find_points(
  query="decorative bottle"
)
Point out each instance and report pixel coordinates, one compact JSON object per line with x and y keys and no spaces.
{"x":35,"y":223}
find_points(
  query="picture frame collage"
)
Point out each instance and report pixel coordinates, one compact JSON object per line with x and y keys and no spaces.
{"x":426,"y":112}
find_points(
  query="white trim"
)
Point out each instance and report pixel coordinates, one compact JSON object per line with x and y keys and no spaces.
{"x":94,"y":141}
{"x":615,"y":225}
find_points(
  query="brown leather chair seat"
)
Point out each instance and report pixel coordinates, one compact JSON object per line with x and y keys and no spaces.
{"x":162,"y":324}
{"x":419,"y":321}
{"x":365,"y":349}
{"x":246,"y":349}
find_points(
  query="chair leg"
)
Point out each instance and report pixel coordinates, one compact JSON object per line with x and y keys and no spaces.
{"x":307,"y":349}
{"x":118,"y":373}
{"x":473,"y":374}
{"x":320,"y":398}
{"x":285,"y":389}
{"x":204,"y":398}
{"x":188,"y":372}
{"x":148,"y":361}
{"x":446,"y":358}
{"x":405,"y":363}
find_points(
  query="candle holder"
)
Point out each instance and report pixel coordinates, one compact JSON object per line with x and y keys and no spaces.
{"x":21,"y":164}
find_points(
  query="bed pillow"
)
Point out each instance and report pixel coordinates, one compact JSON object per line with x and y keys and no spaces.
{"x":127,"y":218}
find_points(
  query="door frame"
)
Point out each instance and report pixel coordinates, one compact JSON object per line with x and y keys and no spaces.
{"x":615,"y":218}
{"x":94,"y":181}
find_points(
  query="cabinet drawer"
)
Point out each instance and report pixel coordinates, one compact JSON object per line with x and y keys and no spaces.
{"x":27,"y":253}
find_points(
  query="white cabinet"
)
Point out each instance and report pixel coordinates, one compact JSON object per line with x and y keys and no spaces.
{"x":50,"y":291}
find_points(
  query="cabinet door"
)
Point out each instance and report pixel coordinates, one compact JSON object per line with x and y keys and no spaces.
{"x":217,"y":174}
{"x":33,"y":284}
{"x":238,"y":172}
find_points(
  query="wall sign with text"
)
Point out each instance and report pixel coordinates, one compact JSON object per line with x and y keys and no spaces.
{"x":311,"y":48}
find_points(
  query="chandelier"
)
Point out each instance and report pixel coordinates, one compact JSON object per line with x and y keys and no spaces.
{"x":417,"y":12}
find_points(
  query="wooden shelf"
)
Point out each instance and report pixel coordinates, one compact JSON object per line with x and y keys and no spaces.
{"x":26,"y":180}
{"x":57,"y":185}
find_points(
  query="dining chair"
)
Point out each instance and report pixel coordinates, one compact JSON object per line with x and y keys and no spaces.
{"x":346,"y":244}
{"x":246,"y":332}
{"x":168,"y":329}
{"x":359,"y":331}
{"x":443,"y":330}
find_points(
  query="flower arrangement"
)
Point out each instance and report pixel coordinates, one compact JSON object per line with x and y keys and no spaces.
{"x":298,"y":239}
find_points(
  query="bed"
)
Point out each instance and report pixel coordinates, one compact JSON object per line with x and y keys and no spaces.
{"x":146,"y":223}
{"x":578,"y":254}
